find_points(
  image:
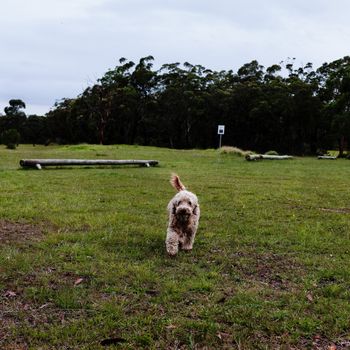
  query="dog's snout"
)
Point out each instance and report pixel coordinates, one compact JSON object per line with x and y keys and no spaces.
{"x":183,"y":211}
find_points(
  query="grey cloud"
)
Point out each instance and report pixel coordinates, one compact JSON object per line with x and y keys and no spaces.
{"x":55,"y":49}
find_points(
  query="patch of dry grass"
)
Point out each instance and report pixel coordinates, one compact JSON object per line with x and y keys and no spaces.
{"x":234,"y":151}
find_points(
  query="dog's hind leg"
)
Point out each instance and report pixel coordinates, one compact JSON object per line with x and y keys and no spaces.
{"x":172,"y":242}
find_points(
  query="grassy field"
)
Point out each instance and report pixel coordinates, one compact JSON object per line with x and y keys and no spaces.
{"x":83,"y":263}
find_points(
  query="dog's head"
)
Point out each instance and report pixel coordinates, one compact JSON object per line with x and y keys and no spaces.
{"x":184,"y":205}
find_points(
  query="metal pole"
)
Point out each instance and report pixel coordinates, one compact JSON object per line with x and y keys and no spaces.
{"x":220,"y":141}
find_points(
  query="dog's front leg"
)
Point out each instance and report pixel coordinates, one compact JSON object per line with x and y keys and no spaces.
{"x":188,"y":242}
{"x":172,"y":242}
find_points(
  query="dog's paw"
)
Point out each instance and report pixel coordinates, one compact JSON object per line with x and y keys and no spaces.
{"x":172,"y":246}
{"x":172,"y":254}
{"x":187,"y":250}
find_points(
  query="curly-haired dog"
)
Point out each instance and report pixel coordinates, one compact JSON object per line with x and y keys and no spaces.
{"x":183,"y":218}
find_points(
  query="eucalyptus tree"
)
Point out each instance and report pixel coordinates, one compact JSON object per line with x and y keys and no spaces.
{"x":183,"y":100}
{"x":121,"y":101}
{"x":60,"y":123}
{"x":98,"y":104}
{"x":305,"y":107}
{"x":35,"y":130}
{"x":15,"y":108}
{"x":334,"y":91}
{"x":245,"y":91}
{"x":144,"y":82}
{"x":14,"y":117}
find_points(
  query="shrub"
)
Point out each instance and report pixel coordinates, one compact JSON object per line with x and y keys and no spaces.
{"x":271,"y":153}
{"x":11,"y":146}
{"x":10,"y":138}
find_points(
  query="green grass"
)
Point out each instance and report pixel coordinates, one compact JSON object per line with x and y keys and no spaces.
{"x":269,"y":269}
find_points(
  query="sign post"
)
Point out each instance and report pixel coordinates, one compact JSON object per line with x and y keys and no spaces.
{"x":221,"y":131}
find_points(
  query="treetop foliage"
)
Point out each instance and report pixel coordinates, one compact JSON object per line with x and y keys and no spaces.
{"x":290,"y":109}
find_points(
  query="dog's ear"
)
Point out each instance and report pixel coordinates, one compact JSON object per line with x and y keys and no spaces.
{"x":195,"y":210}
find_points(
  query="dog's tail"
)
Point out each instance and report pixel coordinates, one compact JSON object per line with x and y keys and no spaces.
{"x":176,"y":183}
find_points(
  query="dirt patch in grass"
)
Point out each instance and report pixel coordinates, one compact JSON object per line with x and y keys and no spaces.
{"x":21,"y":306}
{"x":320,"y":342}
{"x":18,"y":231}
{"x":327,"y":210}
{"x":337,"y":210}
{"x":18,"y":315}
{"x":20,"y":312}
{"x":275,"y":270}
{"x":315,"y":342}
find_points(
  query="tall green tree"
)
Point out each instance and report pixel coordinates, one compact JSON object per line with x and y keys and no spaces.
{"x":14,"y":117}
{"x":284,"y":107}
{"x":334,"y":90}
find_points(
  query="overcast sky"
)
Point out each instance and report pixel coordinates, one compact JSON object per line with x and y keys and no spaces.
{"x":52,"y":49}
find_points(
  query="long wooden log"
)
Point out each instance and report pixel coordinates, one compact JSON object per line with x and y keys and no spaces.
{"x":327,"y":157}
{"x":38,"y":163}
{"x":266,"y":156}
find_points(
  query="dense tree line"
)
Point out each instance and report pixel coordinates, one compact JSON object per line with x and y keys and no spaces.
{"x":296,"y":110}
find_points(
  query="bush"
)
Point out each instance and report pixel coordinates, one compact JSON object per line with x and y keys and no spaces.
{"x":11,"y":146}
{"x":271,"y":153}
{"x":10,"y":138}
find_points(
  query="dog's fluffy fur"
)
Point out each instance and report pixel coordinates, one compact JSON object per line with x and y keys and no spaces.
{"x":183,"y":218}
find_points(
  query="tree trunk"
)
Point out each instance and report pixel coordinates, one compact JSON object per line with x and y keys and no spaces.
{"x":342,"y":146}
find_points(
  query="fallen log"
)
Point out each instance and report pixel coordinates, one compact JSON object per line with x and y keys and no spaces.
{"x":266,"y":156}
{"x":39,"y":163}
{"x":327,"y":157}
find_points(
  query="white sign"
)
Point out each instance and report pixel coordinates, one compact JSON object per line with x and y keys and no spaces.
{"x":221,"y":129}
